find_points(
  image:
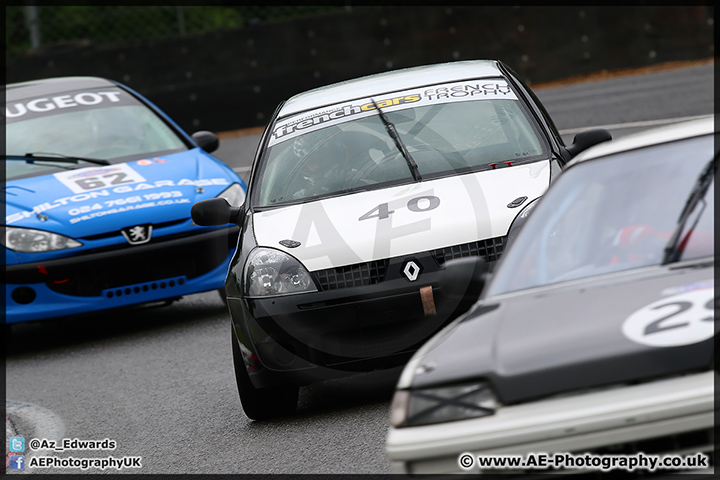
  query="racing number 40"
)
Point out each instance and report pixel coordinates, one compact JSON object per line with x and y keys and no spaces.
{"x":429,"y":202}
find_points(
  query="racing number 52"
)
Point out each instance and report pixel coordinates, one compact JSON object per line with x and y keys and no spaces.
{"x":383,"y":210}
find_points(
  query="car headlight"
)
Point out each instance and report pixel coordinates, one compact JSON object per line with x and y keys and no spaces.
{"x":272,"y":272}
{"x":28,"y":240}
{"x":234,"y":194}
{"x":520,"y":220}
{"x":446,"y":404}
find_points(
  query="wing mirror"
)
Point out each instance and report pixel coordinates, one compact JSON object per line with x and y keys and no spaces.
{"x":587,"y":139}
{"x":206,"y":140}
{"x":216,"y":211}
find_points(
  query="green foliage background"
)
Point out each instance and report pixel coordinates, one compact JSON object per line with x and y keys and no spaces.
{"x":101,"y":25}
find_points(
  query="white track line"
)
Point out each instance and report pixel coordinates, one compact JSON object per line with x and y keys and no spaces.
{"x":242,"y":169}
{"x":31,"y":421}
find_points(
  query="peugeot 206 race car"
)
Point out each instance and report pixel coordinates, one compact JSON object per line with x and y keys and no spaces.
{"x":359,"y":193}
{"x":593,"y":338}
{"x":98,"y":189}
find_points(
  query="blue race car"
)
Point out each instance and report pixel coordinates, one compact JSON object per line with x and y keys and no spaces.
{"x":98,"y":188}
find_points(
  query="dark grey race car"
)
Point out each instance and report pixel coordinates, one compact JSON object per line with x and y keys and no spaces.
{"x":593,"y":337}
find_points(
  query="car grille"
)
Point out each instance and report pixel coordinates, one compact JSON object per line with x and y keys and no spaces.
{"x":357,"y":275}
{"x":116,"y":232}
{"x":680,"y":443}
{"x":490,"y":249}
{"x":684,"y":443}
{"x":137,"y":267}
{"x":370,"y":273}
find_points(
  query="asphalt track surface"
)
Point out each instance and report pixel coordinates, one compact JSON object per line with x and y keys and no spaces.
{"x":159,"y":381}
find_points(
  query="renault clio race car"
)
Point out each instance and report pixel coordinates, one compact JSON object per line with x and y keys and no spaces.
{"x":359,"y":193}
{"x":592,"y":345}
{"x":99,"y":184}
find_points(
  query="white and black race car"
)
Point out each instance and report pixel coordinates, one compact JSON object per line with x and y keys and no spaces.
{"x":359,"y":193}
{"x":591,"y":346}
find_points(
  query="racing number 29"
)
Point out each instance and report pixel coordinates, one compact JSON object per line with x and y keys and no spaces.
{"x":383,"y":210}
{"x":659,"y":326}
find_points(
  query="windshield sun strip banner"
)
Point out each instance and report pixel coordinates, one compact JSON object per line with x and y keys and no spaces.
{"x":59,"y":103}
{"x":420,"y":96}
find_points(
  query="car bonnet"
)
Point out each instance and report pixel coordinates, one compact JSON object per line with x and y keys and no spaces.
{"x":626,"y":327}
{"x":98,"y":199}
{"x":401,"y":220}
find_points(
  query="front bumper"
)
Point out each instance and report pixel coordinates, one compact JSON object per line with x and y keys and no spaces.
{"x":573,"y":424}
{"x":117,"y":277}
{"x":342,"y":330}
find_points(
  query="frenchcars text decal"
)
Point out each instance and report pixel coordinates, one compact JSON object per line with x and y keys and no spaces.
{"x":447,"y":93}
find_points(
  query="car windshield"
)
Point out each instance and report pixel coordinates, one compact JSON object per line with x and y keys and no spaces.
{"x":446,"y":129}
{"x":107,"y":124}
{"x":612,"y":214}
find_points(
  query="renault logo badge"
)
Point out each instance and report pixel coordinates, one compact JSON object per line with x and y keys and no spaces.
{"x":411,"y":270}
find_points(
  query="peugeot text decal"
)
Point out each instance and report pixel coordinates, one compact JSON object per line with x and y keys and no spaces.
{"x":75,"y":100}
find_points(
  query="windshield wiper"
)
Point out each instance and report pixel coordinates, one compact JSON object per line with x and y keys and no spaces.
{"x":399,"y":144}
{"x":55,"y":157}
{"x":674,"y":248}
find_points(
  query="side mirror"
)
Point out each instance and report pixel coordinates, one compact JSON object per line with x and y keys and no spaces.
{"x":216,"y":211}
{"x":463,"y":279}
{"x":587,"y":139}
{"x":208,"y":141}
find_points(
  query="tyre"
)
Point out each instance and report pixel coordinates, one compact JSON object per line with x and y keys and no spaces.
{"x":261,"y":403}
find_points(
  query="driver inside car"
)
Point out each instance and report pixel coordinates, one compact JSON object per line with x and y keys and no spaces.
{"x":328,"y":168}
{"x":639,"y":243}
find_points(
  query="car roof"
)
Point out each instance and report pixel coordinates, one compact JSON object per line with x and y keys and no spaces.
{"x":394,"y":80}
{"x":646,"y":138}
{"x":51,"y":86}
